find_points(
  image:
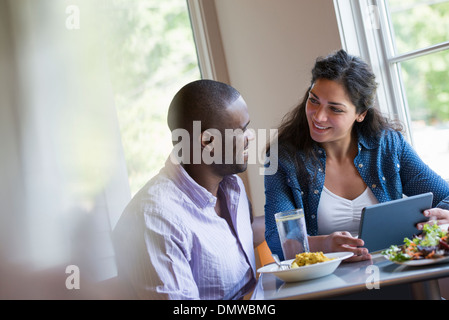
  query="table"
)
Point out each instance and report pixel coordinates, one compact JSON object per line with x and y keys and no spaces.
{"x":377,"y":278}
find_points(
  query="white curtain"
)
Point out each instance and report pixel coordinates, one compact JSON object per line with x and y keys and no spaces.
{"x":63,"y":179}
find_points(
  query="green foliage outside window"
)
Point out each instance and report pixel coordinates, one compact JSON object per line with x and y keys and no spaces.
{"x":151,"y":55}
{"x":419,"y":24}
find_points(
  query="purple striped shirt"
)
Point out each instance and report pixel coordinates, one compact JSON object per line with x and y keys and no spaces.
{"x":171,"y":244}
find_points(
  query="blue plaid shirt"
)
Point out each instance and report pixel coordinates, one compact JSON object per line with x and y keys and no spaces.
{"x":389,"y":166}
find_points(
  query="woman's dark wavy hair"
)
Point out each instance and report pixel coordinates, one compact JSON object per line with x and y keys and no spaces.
{"x":359,"y":82}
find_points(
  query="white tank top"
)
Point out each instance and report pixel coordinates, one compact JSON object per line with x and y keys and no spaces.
{"x":336,"y":213}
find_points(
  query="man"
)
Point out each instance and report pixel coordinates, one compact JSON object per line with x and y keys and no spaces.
{"x":187,"y":233}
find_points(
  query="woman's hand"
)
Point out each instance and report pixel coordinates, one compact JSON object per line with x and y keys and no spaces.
{"x":344,"y":241}
{"x":435,"y":215}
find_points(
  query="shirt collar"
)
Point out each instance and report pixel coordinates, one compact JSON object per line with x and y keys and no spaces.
{"x":367,"y":142}
{"x":199,"y":195}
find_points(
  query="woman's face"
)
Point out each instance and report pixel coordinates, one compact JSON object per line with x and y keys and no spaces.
{"x":330,"y":113}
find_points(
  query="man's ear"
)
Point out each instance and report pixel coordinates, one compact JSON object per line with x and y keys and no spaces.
{"x":211,"y":145}
{"x":206,"y":139}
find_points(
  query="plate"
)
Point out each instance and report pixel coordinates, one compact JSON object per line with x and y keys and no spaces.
{"x":311,"y":271}
{"x":421,"y":262}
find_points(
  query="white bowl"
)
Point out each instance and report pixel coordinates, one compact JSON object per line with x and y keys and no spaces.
{"x":308,"y":272}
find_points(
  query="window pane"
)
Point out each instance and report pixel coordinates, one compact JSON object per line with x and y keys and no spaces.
{"x":427,"y":90}
{"x":418,"y":23}
{"x":152,"y":55}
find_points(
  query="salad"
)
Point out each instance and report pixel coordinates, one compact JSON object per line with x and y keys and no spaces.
{"x":433,"y":243}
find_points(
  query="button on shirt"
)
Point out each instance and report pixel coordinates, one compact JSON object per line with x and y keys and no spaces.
{"x":171,"y":244}
{"x":388,"y":165}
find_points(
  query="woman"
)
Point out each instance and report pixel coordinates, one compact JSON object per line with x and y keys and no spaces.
{"x":338,"y":154}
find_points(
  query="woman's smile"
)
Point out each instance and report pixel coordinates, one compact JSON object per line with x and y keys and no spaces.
{"x":319,"y":126}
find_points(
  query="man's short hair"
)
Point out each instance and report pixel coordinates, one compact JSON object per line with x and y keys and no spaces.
{"x":201,"y":100}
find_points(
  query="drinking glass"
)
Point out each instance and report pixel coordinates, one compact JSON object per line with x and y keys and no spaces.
{"x":292,"y":231}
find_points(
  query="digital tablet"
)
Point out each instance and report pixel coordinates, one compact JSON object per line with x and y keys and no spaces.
{"x":388,"y":223}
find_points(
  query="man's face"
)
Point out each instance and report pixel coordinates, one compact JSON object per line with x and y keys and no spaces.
{"x":235,"y":139}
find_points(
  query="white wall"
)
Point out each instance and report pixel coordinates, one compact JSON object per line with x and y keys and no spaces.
{"x":270,"y":48}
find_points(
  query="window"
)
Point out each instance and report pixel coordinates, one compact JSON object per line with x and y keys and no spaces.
{"x":151,"y":56}
{"x":407,"y":43}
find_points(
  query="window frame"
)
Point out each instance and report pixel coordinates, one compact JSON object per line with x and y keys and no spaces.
{"x":365,"y":31}
{"x":208,"y":42}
